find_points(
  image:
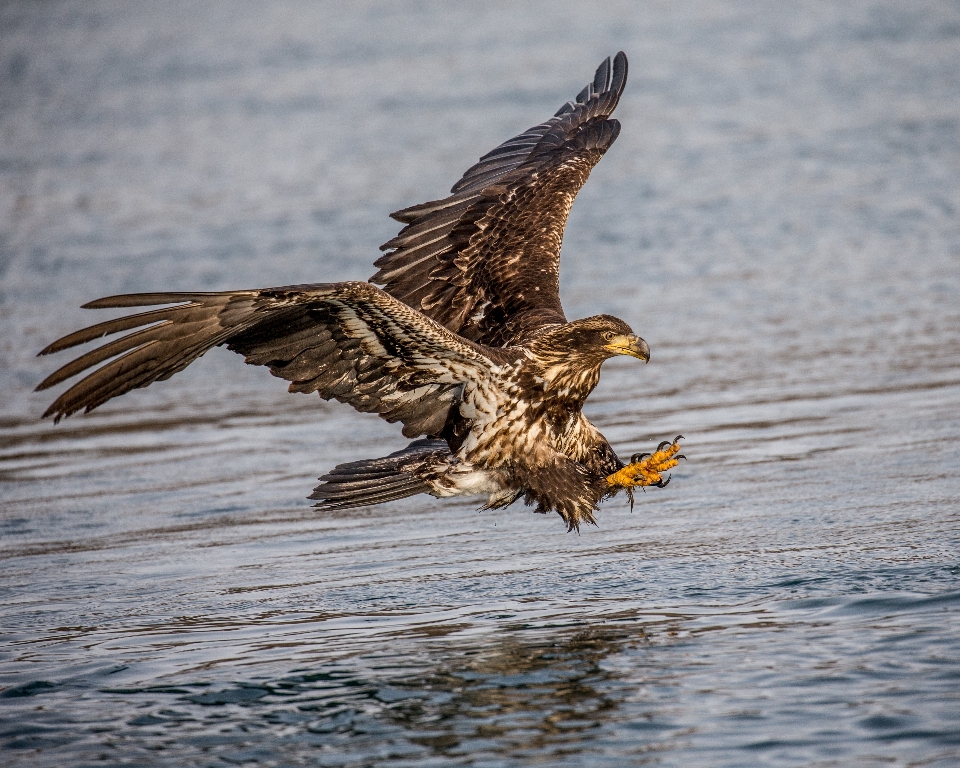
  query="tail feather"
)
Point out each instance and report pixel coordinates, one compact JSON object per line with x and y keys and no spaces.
{"x":374,"y":481}
{"x":348,"y":499}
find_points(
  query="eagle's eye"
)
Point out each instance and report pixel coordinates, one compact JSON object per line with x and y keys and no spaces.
{"x":608,"y":335}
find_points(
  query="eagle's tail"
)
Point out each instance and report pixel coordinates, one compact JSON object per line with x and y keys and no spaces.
{"x":373,"y":481}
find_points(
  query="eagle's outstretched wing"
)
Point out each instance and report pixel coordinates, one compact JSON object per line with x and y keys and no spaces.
{"x":349,"y":341}
{"x":485,"y":262}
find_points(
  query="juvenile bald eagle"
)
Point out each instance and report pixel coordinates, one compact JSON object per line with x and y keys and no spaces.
{"x":466,"y":342}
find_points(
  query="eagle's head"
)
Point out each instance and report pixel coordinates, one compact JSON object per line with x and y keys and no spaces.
{"x":568,"y":357}
{"x":590,"y":341}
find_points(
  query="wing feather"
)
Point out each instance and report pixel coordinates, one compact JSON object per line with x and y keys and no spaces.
{"x":484,"y":262}
{"x":349,"y":341}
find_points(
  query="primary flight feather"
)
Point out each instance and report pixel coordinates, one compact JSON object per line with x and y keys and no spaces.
{"x":466,"y":343}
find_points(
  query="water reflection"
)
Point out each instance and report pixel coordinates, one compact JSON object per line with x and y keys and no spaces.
{"x":547,"y":695}
{"x":520,"y":697}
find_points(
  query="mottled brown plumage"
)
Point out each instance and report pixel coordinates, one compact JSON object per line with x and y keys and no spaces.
{"x":466,"y":344}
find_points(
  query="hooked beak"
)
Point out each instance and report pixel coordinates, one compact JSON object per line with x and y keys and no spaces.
{"x":629,"y":344}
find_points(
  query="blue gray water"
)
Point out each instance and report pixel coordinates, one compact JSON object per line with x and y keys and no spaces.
{"x":780,"y":219}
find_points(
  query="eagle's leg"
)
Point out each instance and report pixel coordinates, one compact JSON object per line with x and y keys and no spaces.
{"x":648,"y":469}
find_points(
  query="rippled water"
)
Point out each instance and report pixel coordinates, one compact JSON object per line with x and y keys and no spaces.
{"x":780,"y":219}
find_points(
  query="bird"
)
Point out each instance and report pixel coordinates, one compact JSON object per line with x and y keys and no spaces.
{"x":460,"y":336}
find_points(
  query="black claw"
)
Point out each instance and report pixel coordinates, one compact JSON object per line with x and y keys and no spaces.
{"x":678,"y":437}
{"x":665,"y":442}
{"x":679,"y":456}
{"x":638,"y":457}
{"x":664,"y":483}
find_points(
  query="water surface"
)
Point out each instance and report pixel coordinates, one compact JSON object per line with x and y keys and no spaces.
{"x":779,"y":219}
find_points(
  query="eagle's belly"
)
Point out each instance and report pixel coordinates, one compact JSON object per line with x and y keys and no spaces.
{"x":507,"y":428}
{"x":510,"y":438}
{"x":509,"y":434}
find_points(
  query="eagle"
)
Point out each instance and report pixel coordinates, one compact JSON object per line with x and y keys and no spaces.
{"x":460,"y":336}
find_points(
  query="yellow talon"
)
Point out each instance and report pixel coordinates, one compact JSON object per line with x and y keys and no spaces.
{"x":648,"y":471}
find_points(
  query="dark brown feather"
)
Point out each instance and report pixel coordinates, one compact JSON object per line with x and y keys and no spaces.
{"x":484,"y":262}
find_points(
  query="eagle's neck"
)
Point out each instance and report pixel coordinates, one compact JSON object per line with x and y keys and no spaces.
{"x":566,"y":380}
